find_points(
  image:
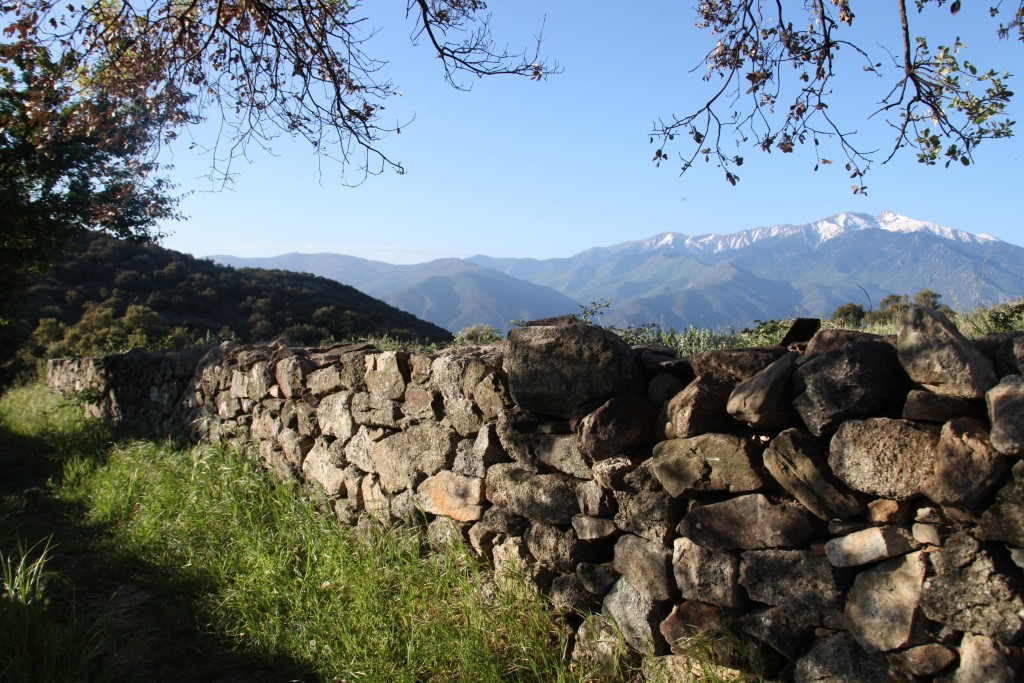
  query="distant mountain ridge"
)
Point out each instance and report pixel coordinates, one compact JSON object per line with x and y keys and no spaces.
{"x":708,"y":280}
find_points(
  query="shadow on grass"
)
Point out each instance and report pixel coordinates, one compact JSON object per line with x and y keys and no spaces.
{"x":142,"y":622}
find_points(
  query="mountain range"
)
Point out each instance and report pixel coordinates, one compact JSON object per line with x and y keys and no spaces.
{"x":709,"y":280}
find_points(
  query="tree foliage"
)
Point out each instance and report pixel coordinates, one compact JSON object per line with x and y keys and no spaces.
{"x":111,"y":295}
{"x":774,"y":67}
{"x":57,"y":178}
{"x":264,"y":66}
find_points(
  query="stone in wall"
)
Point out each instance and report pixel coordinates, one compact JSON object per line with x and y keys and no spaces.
{"x":798,"y":461}
{"x":705,"y":463}
{"x":1005,"y":406}
{"x":554,"y":369}
{"x":453,"y":495}
{"x":700,"y":407}
{"x":545,"y":498}
{"x":882,"y":607}
{"x":967,"y":467}
{"x":750,"y":522}
{"x":644,"y":508}
{"x":763,"y":401}
{"x":637,"y":616}
{"x":733,"y":366}
{"x":707,"y":576}
{"x":938,"y":357}
{"x":884,"y":457}
{"x":619,"y":425}
{"x":405,"y":458}
{"x":971,"y":590}
{"x":856,"y":380}
{"x":646,"y":565}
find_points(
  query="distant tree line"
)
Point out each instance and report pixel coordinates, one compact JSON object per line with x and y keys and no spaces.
{"x":1002,"y":317}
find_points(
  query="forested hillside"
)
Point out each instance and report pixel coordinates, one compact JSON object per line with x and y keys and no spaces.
{"x":109,"y":294}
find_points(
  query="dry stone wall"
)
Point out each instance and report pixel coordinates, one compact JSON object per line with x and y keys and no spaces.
{"x":853,"y":505}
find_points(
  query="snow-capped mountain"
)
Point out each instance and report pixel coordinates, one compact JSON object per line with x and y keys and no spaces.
{"x":709,"y":280}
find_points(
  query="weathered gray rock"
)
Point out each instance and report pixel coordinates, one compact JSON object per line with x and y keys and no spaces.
{"x":405,"y":458}
{"x":794,"y":579}
{"x":375,"y":501}
{"x":484,"y":450}
{"x":557,"y":548}
{"x":455,"y":374}
{"x":637,"y":616}
{"x":827,"y":340}
{"x":599,"y":647}
{"x":884,"y":457}
{"x":763,"y":401}
{"x":881,"y":608}
{"x":644,"y":508}
{"x":559,"y":451}
{"x":663,"y":387}
{"x":594,"y":500}
{"x":420,"y":404}
{"x":983,"y":660}
{"x":870,"y":545}
{"x":786,"y":630}
{"x":568,"y":594}
{"x":290,"y":374}
{"x":967,"y":466}
{"x":387,"y":373}
{"x":938,"y":357}
{"x":686,"y":668}
{"x":531,"y":442}
{"x":444,"y":533}
{"x":1010,"y":355}
{"x":924,"y":660}
{"x":700,"y":407}
{"x":453,"y":495}
{"x":692,"y":619}
{"x":862,"y":379}
{"x":709,"y":462}
{"x":597,"y":578}
{"x":295,"y":446}
{"x":839,"y":659}
{"x":750,"y":522}
{"x":707,"y":576}
{"x":735,"y":365}
{"x":969,"y":592}
{"x":546,"y":498}
{"x":924,"y":405}
{"x":611,"y":473}
{"x":1004,"y":519}
{"x":323,"y":381}
{"x":375,"y":411}
{"x":552,"y":370}
{"x":593,"y":528}
{"x":646,"y":565}
{"x":619,"y":425}
{"x":322,"y":466}
{"x":513,"y":562}
{"x":335,"y":417}
{"x":503,"y":522}
{"x":357,"y":450}
{"x":798,"y":461}
{"x":1006,"y":413}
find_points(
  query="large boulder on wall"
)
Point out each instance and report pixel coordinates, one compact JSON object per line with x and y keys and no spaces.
{"x":560,"y":364}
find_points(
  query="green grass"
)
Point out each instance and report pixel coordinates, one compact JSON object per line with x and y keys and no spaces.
{"x":190,"y":564}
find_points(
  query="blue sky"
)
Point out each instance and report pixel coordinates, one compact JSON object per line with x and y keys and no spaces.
{"x":528,"y":169}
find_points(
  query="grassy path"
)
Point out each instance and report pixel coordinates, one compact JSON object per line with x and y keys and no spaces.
{"x":164,"y":563}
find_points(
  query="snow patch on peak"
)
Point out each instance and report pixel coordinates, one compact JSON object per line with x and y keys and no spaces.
{"x":887,"y":220}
